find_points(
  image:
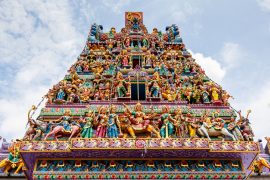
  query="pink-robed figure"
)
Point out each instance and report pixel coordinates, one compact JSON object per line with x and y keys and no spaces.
{"x":125,"y":61}
{"x":101,"y":121}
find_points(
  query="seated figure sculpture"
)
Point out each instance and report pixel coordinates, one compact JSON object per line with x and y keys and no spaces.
{"x":139,"y":122}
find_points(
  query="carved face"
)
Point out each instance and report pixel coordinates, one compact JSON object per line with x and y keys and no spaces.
{"x":113,"y":109}
{"x":103,"y":110}
{"x":67,"y":113}
{"x":138,"y":107}
{"x":165,"y":109}
{"x":89,"y":113}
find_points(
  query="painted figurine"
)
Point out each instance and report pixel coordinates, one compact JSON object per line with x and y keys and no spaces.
{"x":167,"y":127}
{"x":113,"y":126}
{"x":180,"y":124}
{"x":154,"y":86}
{"x":87,"y":130}
{"x":121,"y":85}
{"x":139,"y":121}
{"x":101,"y":121}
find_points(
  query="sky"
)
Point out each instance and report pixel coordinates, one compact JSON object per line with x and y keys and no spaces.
{"x":40,"y":40}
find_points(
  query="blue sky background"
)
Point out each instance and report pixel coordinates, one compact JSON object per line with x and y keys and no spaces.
{"x":39,"y":40}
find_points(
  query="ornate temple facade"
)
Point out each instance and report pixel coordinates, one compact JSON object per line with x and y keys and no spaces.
{"x":135,"y":105}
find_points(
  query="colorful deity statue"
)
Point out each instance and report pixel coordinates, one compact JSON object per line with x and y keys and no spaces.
{"x":87,"y":130}
{"x":85,"y":94}
{"x":245,"y":128}
{"x":122,"y":86}
{"x":127,"y":42}
{"x":112,"y":32}
{"x":214,"y":93}
{"x":36,"y":128}
{"x":51,"y":95}
{"x":101,"y":121}
{"x":205,"y":95}
{"x":167,"y":128}
{"x":66,"y":120}
{"x":180,"y":124}
{"x":162,"y":69}
{"x":225,"y":97}
{"x":145,"y":42}
{"x":65,"y":126}
{"x":113,"y":126}
{"x":72,"y":95}
{"x":110,"y":70}
{"x":98,"y":68}
{"x":125,"y":61}
{"x":154,"y":86}
{"x":169,"y":93}
{"x":61,"y":94}
{"x":235,"y":129}
{"x":75,"y":79}
{"x":139,"y":121}
{"x":13,"y":161}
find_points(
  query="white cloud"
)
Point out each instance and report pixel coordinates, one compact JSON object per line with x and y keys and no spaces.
{"x":259,"y":103}
{"x":41,"y":42}
{"x":264,"y":4}
{"x":116,"y":6}
{"x":231,"y":54}
{"x":211,"y":66}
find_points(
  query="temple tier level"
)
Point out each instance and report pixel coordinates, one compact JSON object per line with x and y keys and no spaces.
{"x":136,"y":105}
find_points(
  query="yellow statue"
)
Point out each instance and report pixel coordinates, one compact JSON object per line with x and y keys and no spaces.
{"x":169,"y":94}
{"x":98,"y":69}
{"x":258,"y":164}
{"x":214,"y":94}
{"x":13,"y":160}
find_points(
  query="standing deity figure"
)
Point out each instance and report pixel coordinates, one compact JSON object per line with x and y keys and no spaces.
{"x":139,"y":122}
{"x":101,"y":121}
{"x":145,"y":42}
{"x":113,"y":124}
{"x":235,"y":129}
{"x":87,"y":130}
{"x":167,"y":127}
{"x":75,"y":79}
{"x":125,"y":61}
{"x":51,"y":94}
{"x":180,"y":124}
{"x":215,"y":93}
{"x":205,"y":95}
{"x":192,"y":123}
{"x":127,"y":42}
{"x":148,"y":61}
{"x":154,"y":86}
{"x":225,"y":97}
{"x":60,"y":96}
{"x":245,"y":128}
{"x":122,"y":85}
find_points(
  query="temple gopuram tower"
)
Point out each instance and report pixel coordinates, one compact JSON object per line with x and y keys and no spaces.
{"x":136,"y":105}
